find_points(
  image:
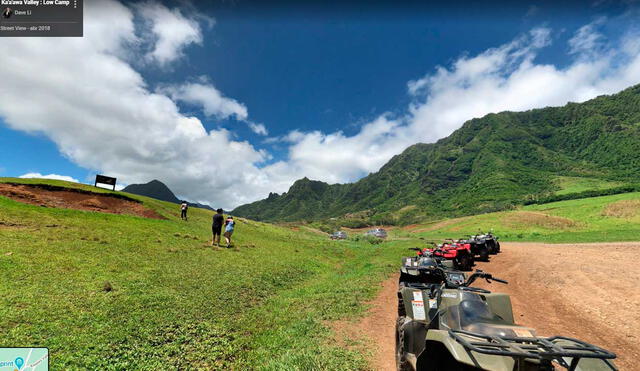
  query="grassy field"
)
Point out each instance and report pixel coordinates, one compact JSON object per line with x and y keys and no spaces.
{"x":264,"y":304}
{"x":596,"y":219}
{"x":177,"y":302}
{"x":569,"y":185}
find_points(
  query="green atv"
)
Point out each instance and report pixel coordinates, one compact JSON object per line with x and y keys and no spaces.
{"x":451,"y":326}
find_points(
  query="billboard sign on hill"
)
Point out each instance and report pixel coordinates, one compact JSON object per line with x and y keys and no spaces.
{"x":103,"y":179}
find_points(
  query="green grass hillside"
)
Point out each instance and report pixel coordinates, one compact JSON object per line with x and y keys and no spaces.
{"x":568,"y":185}
{"x":176,"y":302}
{"x":596,"y":219}
{"x":492,"y":163}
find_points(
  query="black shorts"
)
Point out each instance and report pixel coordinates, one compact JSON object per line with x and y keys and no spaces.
{"x":217,"y":230}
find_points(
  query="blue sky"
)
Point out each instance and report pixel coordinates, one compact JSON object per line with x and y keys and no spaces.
{"x":320,"y":81}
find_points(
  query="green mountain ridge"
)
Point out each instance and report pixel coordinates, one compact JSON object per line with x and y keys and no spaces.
{"x":154,"y":189}
{"x":490,"y":163}
{"x":158,"y":190}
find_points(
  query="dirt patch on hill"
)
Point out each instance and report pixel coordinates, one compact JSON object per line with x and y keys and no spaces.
{"x":537,"y":219}
{"x":575,"y":290}
{"x":622,"y":209}
{"x":60,"y":197}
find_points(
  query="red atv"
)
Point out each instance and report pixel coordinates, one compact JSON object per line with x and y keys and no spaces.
{"x":459,"y":253}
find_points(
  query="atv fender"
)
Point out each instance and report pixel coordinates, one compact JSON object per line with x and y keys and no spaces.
{"x":460,"y":354}
{"x":413,"y":343}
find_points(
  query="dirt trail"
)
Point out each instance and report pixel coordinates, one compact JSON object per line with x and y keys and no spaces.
{"x":377,"y":328}
{"x":587,"y":291}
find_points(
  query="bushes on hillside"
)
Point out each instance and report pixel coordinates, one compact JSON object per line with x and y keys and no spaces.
{"x":371,"y":239}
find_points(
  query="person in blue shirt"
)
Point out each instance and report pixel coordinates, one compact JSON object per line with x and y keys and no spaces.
{"x":229,"y":225}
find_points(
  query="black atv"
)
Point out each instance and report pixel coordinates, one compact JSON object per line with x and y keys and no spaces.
{"x":426,"y":267}
{"x":492,"y":243}
{"x":479,"y":246}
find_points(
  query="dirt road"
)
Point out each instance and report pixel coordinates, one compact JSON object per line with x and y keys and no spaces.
{"x":587,"y":291}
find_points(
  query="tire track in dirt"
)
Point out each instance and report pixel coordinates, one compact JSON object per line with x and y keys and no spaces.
{"x":586,"y":291}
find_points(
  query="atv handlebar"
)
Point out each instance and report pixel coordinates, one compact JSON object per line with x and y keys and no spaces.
{"x":480,"y":274}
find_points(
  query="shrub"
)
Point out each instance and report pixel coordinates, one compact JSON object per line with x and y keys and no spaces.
{"x":373,"y":240}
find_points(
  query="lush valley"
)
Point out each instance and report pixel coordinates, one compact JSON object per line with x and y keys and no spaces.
{"x":86,"y":282}
{"x":492,"y":163}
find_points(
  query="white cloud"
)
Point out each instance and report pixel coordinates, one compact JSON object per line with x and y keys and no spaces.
{"x":50,"y":176}
{"x":499,"y":79}
{"x":207,"y":97}
{"x":212,"y":102}
{"x":84,"y":95}
{"x":587,"y":41}
{"x":336,"y":157}
{"x":86,"y":98}
{"x":170,"y":30}
{"x":259,"y":129}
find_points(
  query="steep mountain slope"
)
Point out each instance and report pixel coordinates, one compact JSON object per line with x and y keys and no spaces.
{"x":154,"y":189}
{"x":490,"y":163}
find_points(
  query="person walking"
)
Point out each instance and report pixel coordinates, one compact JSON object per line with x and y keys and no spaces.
{"x":183,"y":210}
{"x":216,"y":227}
{"x":228,"y":230}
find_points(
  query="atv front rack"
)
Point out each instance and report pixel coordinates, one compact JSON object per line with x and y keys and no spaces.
{"x":556,"y":348}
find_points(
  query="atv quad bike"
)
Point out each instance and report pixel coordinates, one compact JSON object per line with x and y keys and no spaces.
{"x":478,"y":246}
{"x":459,"y":253}
{"x":492,"y":243}
{"x":452,"y":326}
{"x":427,"y":268}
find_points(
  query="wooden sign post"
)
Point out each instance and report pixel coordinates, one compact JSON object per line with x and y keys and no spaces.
{"x":102,"y":179}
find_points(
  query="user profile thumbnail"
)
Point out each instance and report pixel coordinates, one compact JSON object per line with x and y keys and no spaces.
{"x":7,"y":13}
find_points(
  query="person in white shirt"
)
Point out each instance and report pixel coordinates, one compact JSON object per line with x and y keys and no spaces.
{"x":183,"y":210}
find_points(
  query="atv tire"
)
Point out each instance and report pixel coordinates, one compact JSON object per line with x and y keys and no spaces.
{"x":402,"y":364}
{"x":464,"y":262}
{"x":402,"y":312}
{"x":493,"y":248}
{"x":484,"y":254}
{"x":497,"y":247}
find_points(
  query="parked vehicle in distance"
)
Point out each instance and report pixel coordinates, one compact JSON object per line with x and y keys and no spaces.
{"x":459,"y":252}
{"x":479,"y":246}
{"x":339,"y":235}
{"x":377,"y":232}
{"x":492,"y":243}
